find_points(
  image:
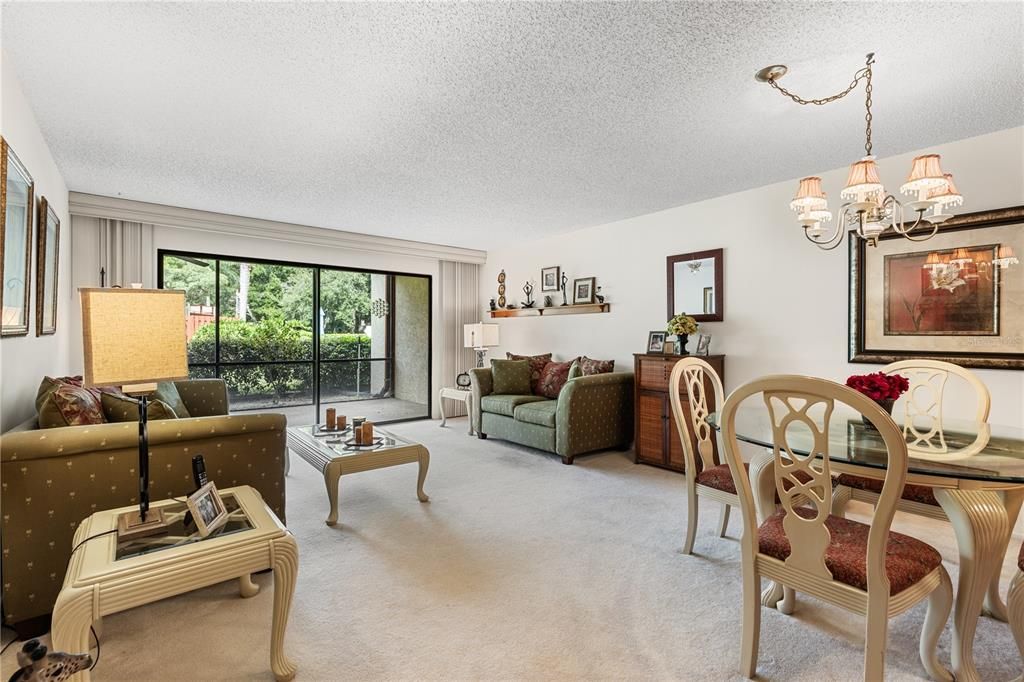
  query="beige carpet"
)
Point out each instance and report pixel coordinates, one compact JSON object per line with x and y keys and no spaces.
{"x":518,"y":568}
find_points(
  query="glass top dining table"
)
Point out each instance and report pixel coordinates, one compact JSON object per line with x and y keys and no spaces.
{"x":999,"y":460}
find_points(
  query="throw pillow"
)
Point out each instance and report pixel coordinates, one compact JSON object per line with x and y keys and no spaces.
{"x":511,"y":377}
{"x":167,"y":392}
{"x":553,"y":378}
{"x":589,"y":366}
{"x":49,"y":384}
{"x":118,"y":407}
{"x":537,"y":363}
{"x":575,"y":370}
{"x":70,"y":405}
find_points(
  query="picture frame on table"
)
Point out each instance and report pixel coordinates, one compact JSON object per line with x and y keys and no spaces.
{"x":583,"y":290}
{"x":656,"y":341}
{"x":957,"y":297}
{"x":208,"y":510}
{"x":703,"y":344}
{"x":551,"y":278}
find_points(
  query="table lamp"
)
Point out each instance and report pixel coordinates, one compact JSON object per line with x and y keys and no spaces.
{"x":133,"y":338}
{"x":480,"y":336}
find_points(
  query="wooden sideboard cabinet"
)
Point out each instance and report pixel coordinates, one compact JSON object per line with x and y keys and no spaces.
{"x":656,"y":440}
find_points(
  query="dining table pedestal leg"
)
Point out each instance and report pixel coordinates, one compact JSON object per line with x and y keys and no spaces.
{"x":994,"y":605}
{"x":979,"y":520}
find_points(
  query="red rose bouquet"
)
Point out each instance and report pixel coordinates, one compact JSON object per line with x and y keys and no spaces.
{"x":879,"y":387}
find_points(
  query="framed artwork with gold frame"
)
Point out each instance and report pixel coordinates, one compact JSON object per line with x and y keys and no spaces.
{"x":958,"y":296}
{"x":47,"y":262}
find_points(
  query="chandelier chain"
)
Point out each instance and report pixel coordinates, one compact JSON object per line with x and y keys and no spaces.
{"x":867,"y":106}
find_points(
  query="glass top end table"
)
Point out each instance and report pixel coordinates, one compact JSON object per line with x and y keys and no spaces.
{"x":179,"y":533}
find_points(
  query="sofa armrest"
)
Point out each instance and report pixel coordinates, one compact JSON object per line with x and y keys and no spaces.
{"x":204,"y":397}
{"x":594,"y":413}
{"x":74,"y":440}
{"x":481,"y":383}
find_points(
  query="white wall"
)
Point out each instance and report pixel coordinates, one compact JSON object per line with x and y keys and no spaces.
{"x":24,"y":360}
{"x":785,"y":300}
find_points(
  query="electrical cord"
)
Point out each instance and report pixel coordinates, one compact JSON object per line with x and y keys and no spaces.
{"x":92,"y":537}
{"x":95,"y":661}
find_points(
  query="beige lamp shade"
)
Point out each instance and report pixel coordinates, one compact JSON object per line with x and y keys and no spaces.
{"x":925,"y":173}
{"x":480,"y":335}
{"x":809,"y":196}
{"x":863,"y":179}
{"x":947,"y":195}
{"x":133,"y":336}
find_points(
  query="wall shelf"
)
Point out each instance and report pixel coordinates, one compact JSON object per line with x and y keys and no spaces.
{"x":581,"y":309}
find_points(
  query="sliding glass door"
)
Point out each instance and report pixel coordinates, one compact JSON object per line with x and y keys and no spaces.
{"x":296,"y":338}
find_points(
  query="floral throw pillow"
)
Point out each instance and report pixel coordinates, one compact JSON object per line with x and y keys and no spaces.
{"x":537,"y":363}
{"x":589,"y":366}
{"x":553,"y":378}
{"x":70,"y":405}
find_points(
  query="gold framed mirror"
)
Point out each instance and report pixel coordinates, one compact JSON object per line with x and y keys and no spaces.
{"x":16,"y":209}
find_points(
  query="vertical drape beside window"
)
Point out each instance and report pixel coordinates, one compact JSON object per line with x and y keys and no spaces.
{"x":126,"y":253}
{"x":459,"y":295}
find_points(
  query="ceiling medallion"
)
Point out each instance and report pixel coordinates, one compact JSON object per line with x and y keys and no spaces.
{"x":869,"y":210}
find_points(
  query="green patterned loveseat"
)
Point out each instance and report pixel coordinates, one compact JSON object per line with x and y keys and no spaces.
{"x":591,"y":413}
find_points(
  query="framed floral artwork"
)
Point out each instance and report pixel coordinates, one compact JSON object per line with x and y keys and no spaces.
{"x":958,"y":296}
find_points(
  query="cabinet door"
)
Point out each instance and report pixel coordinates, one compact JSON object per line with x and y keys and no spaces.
{"x":654,"y":374}
{"x":676,"y":456}
{"x":650,"y":442}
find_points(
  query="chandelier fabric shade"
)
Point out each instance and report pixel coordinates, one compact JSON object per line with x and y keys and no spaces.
{"x":809,"y":195}
{"x":925,"y":174}
{"x":862,"y":180}
{"x":947,"y":195}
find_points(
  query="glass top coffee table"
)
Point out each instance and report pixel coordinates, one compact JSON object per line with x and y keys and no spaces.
{"x":335,"y":455}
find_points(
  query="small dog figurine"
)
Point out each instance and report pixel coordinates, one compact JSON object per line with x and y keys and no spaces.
{"x":39,"y":666}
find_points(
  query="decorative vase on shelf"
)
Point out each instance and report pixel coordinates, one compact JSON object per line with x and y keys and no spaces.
{"x":681,"y":341}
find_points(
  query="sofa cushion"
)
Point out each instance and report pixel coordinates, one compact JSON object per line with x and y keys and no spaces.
{"x":511,"y":377}
{"x":118,"y":407}
{"x":70,"y":405}
{"x":537,"y":363}
{"x":553,"y":378}
{"x":574,"y":370}
{"x":167,"y":393}
{"x":591,"y":366}
{"x":506,"y":404}
{"x":541,"y":413}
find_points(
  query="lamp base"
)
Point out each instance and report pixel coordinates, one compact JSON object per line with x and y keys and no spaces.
{"x":130,"y":525}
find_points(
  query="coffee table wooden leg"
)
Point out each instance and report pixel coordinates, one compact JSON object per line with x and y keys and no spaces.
{"x":332,"y":475}
{"x":285,"y":554}
{"x":72,"y":616}
{"x":246,"y":587}
{"x":424,"y":460}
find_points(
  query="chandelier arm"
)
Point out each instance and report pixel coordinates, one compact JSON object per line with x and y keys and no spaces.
{"x":824,"y":243}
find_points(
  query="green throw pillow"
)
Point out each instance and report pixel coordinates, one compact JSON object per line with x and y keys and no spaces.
{"x":167,"y":392}
{"x":511,"y":377}
{"x":123,"y":408}
{"x":575,"y":371}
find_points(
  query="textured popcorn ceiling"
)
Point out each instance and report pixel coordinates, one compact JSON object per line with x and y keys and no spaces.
{"x":475,"y":124}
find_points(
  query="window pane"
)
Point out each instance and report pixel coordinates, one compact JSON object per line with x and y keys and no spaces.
{"x":412,"y":339}
{"x":359,"y":380}
{"x":268,"y":386}
{"x":266,"y":312}
{"x":197,"y":277}
{"x":202,"y":372}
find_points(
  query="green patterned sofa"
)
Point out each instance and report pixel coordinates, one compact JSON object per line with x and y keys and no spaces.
{"x":54,"y":478}
{"x":591,"y":413}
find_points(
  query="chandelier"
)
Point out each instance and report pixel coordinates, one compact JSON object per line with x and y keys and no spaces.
{"x":869,"y":211}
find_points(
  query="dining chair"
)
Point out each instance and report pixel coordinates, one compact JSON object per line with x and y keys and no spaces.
{"x":705,"y":477}
{"x":865,"y":569}
{"x":1015,"y":606}
{"x":924,"y":433}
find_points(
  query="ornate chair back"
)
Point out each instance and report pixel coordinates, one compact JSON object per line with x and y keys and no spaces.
{"x":809,"y":403}
{"x":689,"y":373}
{"x":923,"y":407}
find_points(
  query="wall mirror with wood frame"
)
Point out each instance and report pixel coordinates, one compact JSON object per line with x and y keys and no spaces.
{"x":16,"y":209}
{"x":695,"y":285}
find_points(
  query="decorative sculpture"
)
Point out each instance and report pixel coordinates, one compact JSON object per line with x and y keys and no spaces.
{"x":565,"y":298}
{"x":39,"y":666}
{"x":528,"y":290}
{"x":599,"y":295}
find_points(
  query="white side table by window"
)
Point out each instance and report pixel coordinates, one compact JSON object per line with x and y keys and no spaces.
{"x":461,"y":395}
{"x":106,"y":576}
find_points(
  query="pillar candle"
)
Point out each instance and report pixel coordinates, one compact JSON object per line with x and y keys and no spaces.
{"x":367,"y":432}
{"x":342,"y":421}
{"x":331,"y":418}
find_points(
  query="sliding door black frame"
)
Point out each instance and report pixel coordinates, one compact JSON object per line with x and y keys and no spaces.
{"x":316,"y":361}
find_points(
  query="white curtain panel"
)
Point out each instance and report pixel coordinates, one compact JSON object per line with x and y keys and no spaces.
{"x":126,"y":253}
{"x":460,"y":305}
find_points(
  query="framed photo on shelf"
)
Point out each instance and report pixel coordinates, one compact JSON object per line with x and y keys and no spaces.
{"x":958,"y":296}
{"x":703,"y":344}
{"x":656,"y":342}
{"x":207,"y":509}
{"x":551,"y":278}
{"x":583,"y":290}
{"x":669,"y":348}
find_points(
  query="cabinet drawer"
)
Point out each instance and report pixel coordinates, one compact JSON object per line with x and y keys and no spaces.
{"x":653,"y":374}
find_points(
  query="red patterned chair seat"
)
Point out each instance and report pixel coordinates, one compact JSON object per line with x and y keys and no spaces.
{"x":911,"y":492}
{"x":907,"y":559}
{"x":720,"y":478}
{"x":1020,"y":558}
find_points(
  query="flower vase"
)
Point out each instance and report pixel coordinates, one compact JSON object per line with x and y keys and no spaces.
{"x":886,"y":405}
{"x":681,"y":341}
